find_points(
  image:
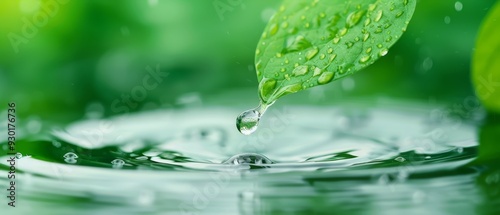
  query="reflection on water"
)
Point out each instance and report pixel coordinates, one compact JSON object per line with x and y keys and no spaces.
{"x":303,"y":160}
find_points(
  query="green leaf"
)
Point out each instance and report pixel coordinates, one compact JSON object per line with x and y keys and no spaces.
{"x":313,"y":42}
{"x":486,"y":63}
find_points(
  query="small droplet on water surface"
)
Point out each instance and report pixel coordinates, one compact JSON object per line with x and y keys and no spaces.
{"x":248,"y":121}
{"x":400,"y":159}
{"x":19,"y":155}
{"x":117,"y":163}
{"x":70,"y":157}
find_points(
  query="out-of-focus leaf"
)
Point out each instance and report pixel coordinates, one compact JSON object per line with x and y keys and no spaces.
{"x":486,"y":61}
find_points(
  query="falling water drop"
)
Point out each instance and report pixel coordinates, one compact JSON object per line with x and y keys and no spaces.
{"x":248,"y":121}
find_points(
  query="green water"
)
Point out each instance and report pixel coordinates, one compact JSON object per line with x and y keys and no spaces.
{"x":389,"y":158}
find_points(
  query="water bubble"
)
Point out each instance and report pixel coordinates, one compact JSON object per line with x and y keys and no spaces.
{"x":336,"y":40}
{"x":300,"y":70}
{"x":343,"y":31}
{"x":383,"y":52}
{"x":378,"y":16}
{"x":367,"y":21}
{"x":248,"y":158}
{"x":311,"y":53}
{"x":332,"y":58}
{"x":447,"y":20}
{"x":19,"y":155}
{"x":427,"y":64}
{"x":142,"y":158}
{"x":317,"y":71}
{"x":284,"y":25}
{"x":348,"y":84}
{"x":354,"y":18}
{"x":365,"y":59}
{"x":458,"y":6}
{"x":400,"y":159}
{"x":460,"y":150}
{"x":325,"y":78}
{"x":372,"y":7}
{"x":273,"y":29}
{"x":493,"y":178}
{"x":366,"y":36}
{"x":297,"y":43}
{"x":34,"y":125}
{"x":56,"y":144}
{"x":70,"y":157}
{"x":399,"y":14}
{"x":117,"y":163}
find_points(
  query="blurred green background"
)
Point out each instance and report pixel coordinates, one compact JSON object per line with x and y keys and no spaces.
{"x":87,"y":55}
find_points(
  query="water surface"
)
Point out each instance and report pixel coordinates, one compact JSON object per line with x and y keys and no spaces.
{"x":383,"y":159}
